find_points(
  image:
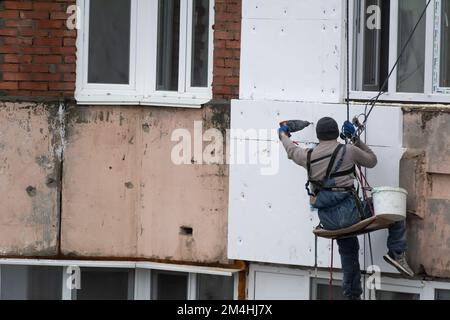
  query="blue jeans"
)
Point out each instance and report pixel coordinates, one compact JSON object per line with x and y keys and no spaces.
{"x":343,"y":215}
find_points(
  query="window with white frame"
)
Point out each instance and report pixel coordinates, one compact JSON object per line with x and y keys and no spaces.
{"x":52,"y":280}
{"x":150,"y":52}
{"x":320,"y":289}
{"x":381,"y":29}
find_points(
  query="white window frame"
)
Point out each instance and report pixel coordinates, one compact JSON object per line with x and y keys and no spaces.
{"x":437,"y":49}
{"x":432,"y":93}
{"x":142,"y":274}
{"x":143,"y":44}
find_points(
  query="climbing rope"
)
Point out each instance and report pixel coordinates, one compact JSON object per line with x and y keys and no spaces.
{"x":361,"y":177}
{"x":330,"y":295}
{"x":347,"y":34}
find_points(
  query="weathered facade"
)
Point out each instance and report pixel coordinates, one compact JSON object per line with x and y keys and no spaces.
{"x":97,"y":182}
{"x":86,"y":173}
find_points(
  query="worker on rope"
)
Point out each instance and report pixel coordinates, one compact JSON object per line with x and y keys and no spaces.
{"x":331,"y":177}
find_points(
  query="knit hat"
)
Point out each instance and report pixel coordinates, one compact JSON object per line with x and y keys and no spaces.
{"x":327,"y":129}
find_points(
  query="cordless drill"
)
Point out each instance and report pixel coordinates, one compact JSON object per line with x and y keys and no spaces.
{"x":294,"y":126}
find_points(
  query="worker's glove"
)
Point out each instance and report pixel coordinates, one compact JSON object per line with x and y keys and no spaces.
{"x":285,"y":130}
{"x":348,"y":130}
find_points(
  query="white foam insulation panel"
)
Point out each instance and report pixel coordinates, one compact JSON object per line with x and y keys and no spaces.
{"x":270,"y":219}
{"x":297,"y":43}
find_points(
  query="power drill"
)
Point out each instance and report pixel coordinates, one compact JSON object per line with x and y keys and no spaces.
{"x":295,"y":125}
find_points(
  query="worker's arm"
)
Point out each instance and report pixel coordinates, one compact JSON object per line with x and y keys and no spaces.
{"x":294,"y":152}
{"x":362,"y":155}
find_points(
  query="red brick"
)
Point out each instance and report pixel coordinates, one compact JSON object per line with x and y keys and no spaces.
{"x":47,"y":6}
{"x":66,"y":68}
{"x":54,"y":42}
{"x":62,"y":86}
{"x":69,"y":42}
{"x":70,"y":77}
{"x":15,"y":5}
{"x":19,"y":93}
{"x":63,"y":33}
{"x":9,"y":14}
{"x":223,"y":53}
{"x":36,"y":15}
{"x":50,"y":24}
{"x":232,"y":81}
{"x":63,"y":50}
{"x":9,"y":67}
{"x":59,"y":16}
{"x":45,"y":77}
{"x":10,"y":76}
{"x":19,"y":23}
{"x":8,"y":32}
{"x":227,"y":72}
{"x":232,"y":63}
{"x":36,"y":50}
{"x":33,"y":68}
{"x":18,"y":40}
{"x":47,"y":59}
{"x":9,"y":85}
{"x":233,"y":44}
{"x":70,"y":59}
{"x":38,"y":86}
{"x":9,"y":49}
{"x":225,"y":35}
{"x":14,"y":58}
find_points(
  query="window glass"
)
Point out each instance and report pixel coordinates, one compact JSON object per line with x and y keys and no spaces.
{"x":321,"y":290}
{"x":200,"y":45}
{"x":411,"y":67}
{"x":106,"y":284}
{"x":372,"y":44}
{"x":214,"y":287}
{"x":388,"y":295}
{"x":442,"y":294}
{"x":169,"y":286}
{"x":109,"y":41}
{"x":444,"y":80}
{"x":31,"y":283}
{"x":168,"y":45}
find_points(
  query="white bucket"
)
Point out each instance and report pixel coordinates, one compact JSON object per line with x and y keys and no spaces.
{"x":390,"y":203}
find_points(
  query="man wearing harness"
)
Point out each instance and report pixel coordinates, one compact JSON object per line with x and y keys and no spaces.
{"x":331,"y":175}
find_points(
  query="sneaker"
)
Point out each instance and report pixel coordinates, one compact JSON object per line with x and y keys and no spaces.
{"x":400,"y":264}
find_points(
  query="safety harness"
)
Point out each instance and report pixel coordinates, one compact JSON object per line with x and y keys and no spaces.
{"x":321,"y":185}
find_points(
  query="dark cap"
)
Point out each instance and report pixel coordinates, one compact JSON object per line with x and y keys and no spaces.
{"x":327,"y":129}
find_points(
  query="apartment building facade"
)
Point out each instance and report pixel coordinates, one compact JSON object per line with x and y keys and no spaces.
{"x":294,"y":65}
{"x":91,"y":92}
{"x":94,"y":93}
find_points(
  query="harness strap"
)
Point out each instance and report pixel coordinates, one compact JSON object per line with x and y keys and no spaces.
{"x":320,"y":159}
{"x":332,"y":161}
{"x":308,"y":162}
{"x":343,"y":173}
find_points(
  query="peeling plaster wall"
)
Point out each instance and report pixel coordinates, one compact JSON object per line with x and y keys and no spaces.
{"x":425,"y":173}
{"x":123,"y":196}
{"x":29,"y":174}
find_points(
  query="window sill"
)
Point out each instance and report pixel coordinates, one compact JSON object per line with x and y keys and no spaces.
{"x":402,"y":97}
{"x":157,"y":101}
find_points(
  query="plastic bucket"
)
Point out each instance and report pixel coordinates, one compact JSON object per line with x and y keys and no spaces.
{"x":390,"y":203}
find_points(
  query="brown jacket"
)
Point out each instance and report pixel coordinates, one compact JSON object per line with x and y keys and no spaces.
{"x":357,"y":154}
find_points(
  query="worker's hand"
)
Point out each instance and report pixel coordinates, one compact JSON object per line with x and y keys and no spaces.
{"x":284,"y":131}
{"x":348,"y":129}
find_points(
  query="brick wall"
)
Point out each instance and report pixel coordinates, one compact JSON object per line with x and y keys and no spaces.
{"x":37,"y":50}
{"x":227,"y":49}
